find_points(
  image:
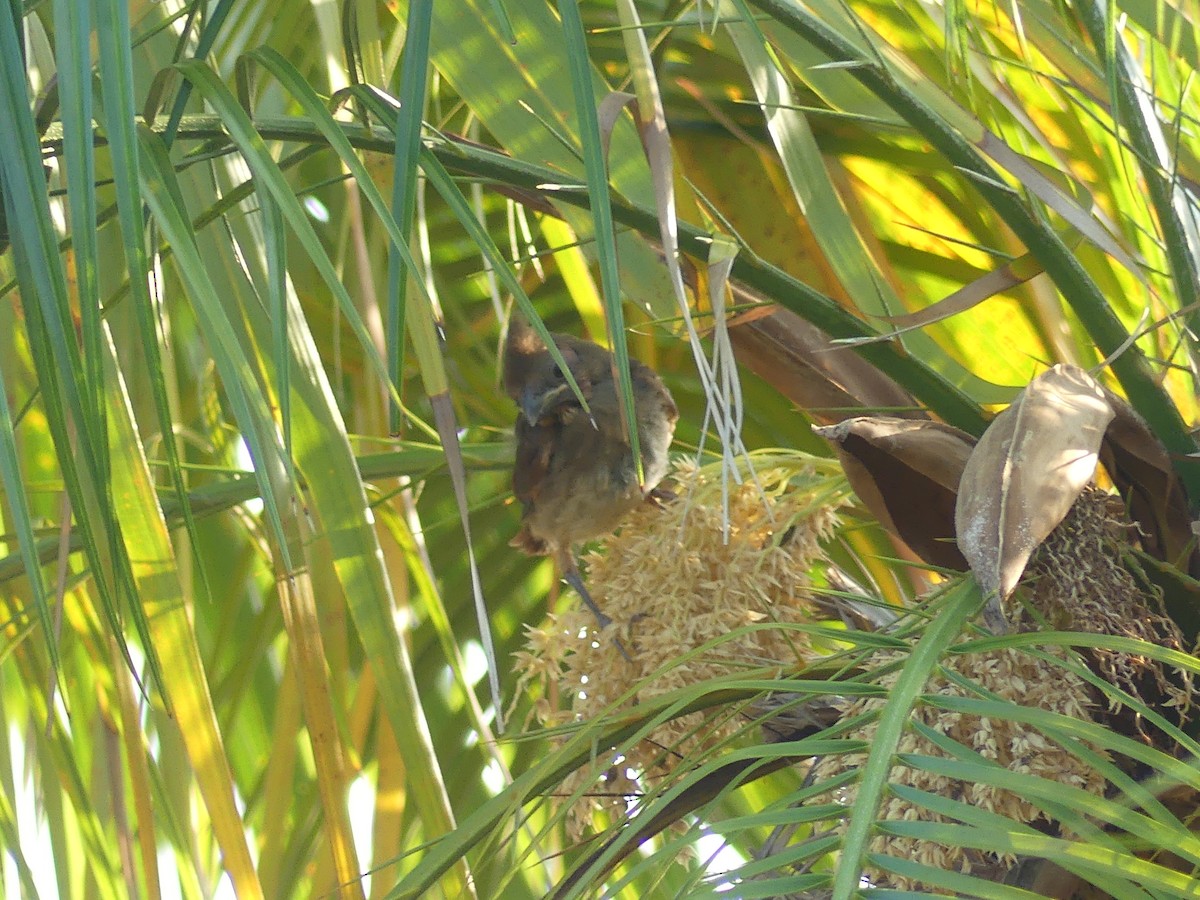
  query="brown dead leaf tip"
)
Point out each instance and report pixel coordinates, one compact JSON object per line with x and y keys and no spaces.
{"x":672,"y":582}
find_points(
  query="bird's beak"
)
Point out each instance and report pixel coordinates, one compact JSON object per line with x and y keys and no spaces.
{"x":531,"y":406}
{"x":534,"y":405}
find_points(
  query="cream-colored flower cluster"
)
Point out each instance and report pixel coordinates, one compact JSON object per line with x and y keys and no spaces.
{"x":675,"y":578}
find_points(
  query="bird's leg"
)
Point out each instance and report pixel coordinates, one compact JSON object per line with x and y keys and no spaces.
{"x":575,"y":580}
{"x":571,"y":575}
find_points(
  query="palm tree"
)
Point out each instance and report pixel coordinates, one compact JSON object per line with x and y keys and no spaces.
{"x":265,"y":634}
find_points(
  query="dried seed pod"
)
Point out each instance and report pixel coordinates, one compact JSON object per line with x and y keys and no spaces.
{"x":1023,"y":476}
{"x":907,"y":473}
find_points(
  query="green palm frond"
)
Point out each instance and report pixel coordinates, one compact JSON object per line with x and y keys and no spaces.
{"x":255,"y":260}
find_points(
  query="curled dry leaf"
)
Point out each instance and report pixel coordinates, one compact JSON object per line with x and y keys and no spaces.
{"x":1140,"y":467}
{"x":800,"y":361}
{"x":1023,"y":476}
{"x":906,"y":472}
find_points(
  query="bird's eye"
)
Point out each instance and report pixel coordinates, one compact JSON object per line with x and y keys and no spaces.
{"x":558,"y":373}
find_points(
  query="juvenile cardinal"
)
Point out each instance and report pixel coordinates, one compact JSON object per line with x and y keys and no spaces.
{"x":575,"y":473}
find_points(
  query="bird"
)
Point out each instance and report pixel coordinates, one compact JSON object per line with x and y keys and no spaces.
{"x":574,"y":471}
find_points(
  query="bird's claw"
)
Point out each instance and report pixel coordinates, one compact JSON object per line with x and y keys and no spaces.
{"x":602,"y":623}
{"x":660,"y":496}
{"x":575,"y":580}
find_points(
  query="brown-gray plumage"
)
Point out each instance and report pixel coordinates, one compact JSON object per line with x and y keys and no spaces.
{"x":575,"y":473}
